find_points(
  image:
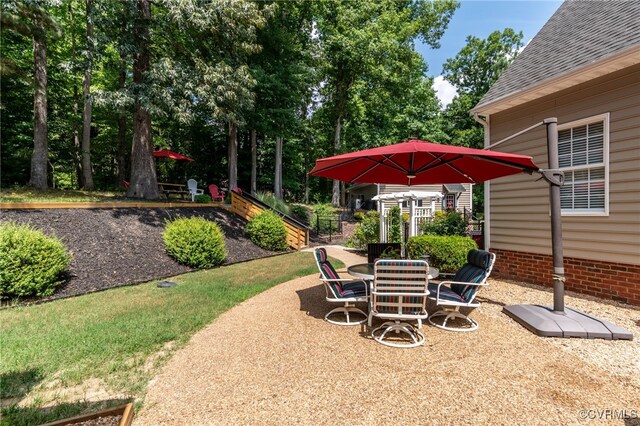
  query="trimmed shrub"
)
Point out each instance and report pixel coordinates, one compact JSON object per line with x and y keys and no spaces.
{"x":447,"y":253}
{"x":358,"y":216}
{"x":323,"y":219}
{"x":31,"y":263}
{"x":195,"y":241}
{"x":367,"y":231}
{"x":267,"y":230}
{"x":202,"y":199}
{"x":446,"y":223}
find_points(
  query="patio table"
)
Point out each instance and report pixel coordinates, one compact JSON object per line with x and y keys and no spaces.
{"x":365,"y":271}
{"x":173,"y":188}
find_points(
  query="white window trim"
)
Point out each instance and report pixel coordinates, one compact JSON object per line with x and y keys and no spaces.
{"x":605,"y":158}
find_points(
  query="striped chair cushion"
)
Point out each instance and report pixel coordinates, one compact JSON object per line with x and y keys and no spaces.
{"x":389,"y":266}
{"x":351,"y":289}
{"x":348,"y":290}
{"x":328,"y":272}
{"x":321,"y":255}
{"x":446,"y":293}
{"x":475,"y":271}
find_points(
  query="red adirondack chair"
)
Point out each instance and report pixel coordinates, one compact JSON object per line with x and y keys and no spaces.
{"x":216,"y":195}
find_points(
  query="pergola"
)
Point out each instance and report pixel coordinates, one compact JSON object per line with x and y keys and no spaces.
{"x":415,"y":212}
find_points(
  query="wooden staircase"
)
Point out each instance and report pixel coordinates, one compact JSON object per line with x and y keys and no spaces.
{"x":247,"y":206}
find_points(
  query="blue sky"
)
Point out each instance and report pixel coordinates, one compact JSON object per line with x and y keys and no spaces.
{"x":480,"y":18}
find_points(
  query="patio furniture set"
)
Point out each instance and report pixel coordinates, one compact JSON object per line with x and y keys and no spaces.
{"x":397,"y":291}
{"x":190,"y":189}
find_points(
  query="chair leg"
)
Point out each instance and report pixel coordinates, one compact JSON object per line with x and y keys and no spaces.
{"x":417,"y":338}
{"x":346,"y":310}
{"x":450,"y":314}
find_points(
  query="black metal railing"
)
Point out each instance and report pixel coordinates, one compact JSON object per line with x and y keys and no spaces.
{"x":327,"y":226}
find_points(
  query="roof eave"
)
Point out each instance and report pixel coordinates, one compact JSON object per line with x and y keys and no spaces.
{"x":607,"y":65}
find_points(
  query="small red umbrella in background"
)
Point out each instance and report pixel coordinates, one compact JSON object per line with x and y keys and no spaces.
{"x":166,"y":153}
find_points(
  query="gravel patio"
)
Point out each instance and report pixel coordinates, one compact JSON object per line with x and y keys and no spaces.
{"x":274,"y":360}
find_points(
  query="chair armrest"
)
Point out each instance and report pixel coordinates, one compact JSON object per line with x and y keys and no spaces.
{"x":386,"y":293}
{"x":456,"y":282}
{"x":462,"y":282}
{"x":329,"y":280}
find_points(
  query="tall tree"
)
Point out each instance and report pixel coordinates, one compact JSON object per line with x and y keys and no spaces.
{"x":40,"y":156}
{"x":87,"y":173}
{"x":31,"y":18}
{"x":358,"y":36}
{"x":472,"y":71}
{"x":199,"y":65}
{"x":283,"y":72}
{"x":144,"y":183}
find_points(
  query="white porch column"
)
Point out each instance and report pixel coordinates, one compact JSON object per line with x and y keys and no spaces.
{"x":380,"y":211}
{"x":412,"y":219}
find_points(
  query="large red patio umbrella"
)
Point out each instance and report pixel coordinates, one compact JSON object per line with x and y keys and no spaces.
{"x":417,"y":162}
{"x":166,"y":153}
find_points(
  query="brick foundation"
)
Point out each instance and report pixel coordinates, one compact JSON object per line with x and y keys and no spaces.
{"x":614,"y":281}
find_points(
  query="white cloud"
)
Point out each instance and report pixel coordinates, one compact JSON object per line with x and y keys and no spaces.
{"x":444,"y":90}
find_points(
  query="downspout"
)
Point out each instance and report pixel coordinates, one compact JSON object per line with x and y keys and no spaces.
{"x":485,"y":122}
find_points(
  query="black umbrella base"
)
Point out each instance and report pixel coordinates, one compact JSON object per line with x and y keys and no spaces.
{"x":543,"y":321}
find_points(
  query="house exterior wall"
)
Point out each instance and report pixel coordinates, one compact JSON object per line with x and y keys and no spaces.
{"x":368,"y":191}
{"x":519,"y":205}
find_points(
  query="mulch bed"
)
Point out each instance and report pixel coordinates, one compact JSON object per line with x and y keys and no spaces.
{"x":122,"y":246}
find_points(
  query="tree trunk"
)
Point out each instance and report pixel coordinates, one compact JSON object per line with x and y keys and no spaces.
{"x":40,"y":155}
{"x":232,"y":152}
{"x":87,"y":172}
{"x":335,"y":193}
{"x":122,"y":119}
{"x":277,"y":181}
{"x":75,"y":138}
{"x":144,"y":183}
{"x":254,"y":161}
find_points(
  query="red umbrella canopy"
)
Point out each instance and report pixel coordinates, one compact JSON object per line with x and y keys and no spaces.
{"x":165,"y":153}
{"x":417,"y":162}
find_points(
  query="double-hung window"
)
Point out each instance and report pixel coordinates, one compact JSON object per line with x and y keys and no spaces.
{"x":583,"y":154}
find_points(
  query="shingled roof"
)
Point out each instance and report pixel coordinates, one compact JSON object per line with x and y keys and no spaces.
{"x":581,"y":32}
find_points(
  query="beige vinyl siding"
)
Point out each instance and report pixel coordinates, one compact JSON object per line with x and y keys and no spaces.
{"x":463,"y":201}
{"x":520,"y":204}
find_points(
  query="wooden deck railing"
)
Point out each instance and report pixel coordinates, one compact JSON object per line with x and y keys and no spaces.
{"x":243,"y":206}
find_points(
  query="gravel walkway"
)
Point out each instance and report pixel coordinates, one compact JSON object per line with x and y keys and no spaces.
{"x":273,"y":360}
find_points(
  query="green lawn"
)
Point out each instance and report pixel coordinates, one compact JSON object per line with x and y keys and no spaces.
{"x":113,"y":335}
{"x":30,"y":195}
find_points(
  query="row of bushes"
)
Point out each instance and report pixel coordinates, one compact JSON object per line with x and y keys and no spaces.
{"x":34,"y":264}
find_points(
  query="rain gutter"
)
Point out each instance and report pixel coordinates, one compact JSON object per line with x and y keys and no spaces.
{"x":484,"y":121}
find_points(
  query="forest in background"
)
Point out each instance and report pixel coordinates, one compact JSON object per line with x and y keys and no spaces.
{"x":253,"y":91}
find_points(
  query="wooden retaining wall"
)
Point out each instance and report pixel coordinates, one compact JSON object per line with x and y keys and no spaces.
{"x":297,"y":237}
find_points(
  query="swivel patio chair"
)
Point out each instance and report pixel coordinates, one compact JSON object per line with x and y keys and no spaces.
{"x":340,"y":290}
{"x":461,"y":292}
{"x":193,"y":189}
{"x":399,"y":293}
{"x":216,"y":195}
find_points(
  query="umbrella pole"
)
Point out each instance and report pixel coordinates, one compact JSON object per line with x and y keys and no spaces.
{"x":556,"y":215}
